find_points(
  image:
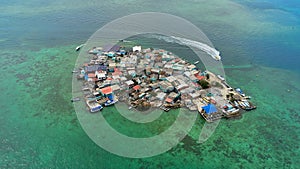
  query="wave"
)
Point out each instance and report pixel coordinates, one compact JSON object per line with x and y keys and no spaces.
{"x":183,"y":41}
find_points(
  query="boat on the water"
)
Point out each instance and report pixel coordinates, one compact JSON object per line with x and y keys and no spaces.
{"x":236,"y":104}
{"x":217,"y":57}
{"x":246,"y":103}
{"x":250,"y":108}
{"x":242,"y":104}
{"x":196,"y":62}
{"x":247,"y":97}
{"x":240,"y":91}
{"x":125,"y":41}
{"x":94,"y":106}
{"x":79,"y":47}
{"x":164,"y":108}
{"x":76,"y":99}
{"x":109,"y":102}
{"x":221,"y":77}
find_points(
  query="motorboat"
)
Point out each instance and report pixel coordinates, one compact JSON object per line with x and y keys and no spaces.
{"x":94,"y":106}
{"x":79,"y":47}
{"x":76,"y":99}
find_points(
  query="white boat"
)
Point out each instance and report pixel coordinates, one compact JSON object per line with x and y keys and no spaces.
{"x":79,"y":47}
{"x":247,"y":103}
{"x":242,"y":104}
{"x":233,"y":110}
{"x":217,"y":57}
{"x":236,"y":104}
{"x":93,"y":106}
{"x":76,"y":99}
{"x":221,"y":77}
{"x":247,"y":97}
{"x":110,"y":102}
{"x":196,"y":62}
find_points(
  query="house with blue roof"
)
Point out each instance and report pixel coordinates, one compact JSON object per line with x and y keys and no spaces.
{"x":209,"y":109}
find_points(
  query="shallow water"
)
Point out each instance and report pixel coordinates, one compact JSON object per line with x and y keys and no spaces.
{"x":39,"y":128}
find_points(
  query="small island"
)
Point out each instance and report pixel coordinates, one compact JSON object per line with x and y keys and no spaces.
{"x":155,"y":78}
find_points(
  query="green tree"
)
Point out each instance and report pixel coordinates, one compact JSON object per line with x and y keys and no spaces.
{"x":204,"y":84}
{"x":207,"y":76}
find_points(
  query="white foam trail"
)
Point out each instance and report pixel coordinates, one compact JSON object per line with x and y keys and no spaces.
{"x":204,"y":47}
{"x":183,"y":41}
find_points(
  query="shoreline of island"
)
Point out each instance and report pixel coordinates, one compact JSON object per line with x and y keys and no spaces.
{"x":155,"y":78}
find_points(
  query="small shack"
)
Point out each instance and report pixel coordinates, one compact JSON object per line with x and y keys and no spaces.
{"x":209,"y":109}
{"x":107,"y":92}
{"x":111,"y":48}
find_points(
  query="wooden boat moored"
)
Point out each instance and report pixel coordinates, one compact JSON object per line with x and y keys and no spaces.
{"x":93,"y":106}
{"x":76,"y":99}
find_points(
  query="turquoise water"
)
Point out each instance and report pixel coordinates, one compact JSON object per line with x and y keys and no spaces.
{"x":259,"y":43}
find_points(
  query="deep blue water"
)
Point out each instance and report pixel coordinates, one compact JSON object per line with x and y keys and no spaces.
{"x":280,"y":49}
{"x":69,"y":26}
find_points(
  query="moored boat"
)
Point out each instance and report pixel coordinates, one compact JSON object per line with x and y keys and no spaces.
{"x":109,"y":102}
{"x":221,"y":77}
{"x":164,"y":108}
{"x":93,"y":106}
{"x":239,"y":90}
{"x":76,"y":99}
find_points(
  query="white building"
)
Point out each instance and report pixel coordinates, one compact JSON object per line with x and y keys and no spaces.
{"x":171,"y":79}
{"x":129,"y":83}
{"x":100,"y":74}
{"x":182,"y":86}
{"x":137,"y":48}
{"x":116,"y":87}
{"x":161,"y":95}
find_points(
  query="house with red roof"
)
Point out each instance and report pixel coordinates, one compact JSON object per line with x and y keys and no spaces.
{"x":172,"y":97}
{"x":169,"y":100}
{"x":136,"y":87}
{"x":91,"y":77}
{"x":106,"y":90}
{"x":199,"y":77}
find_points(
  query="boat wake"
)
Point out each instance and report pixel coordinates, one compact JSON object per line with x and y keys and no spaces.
{"x":183,"y":41}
